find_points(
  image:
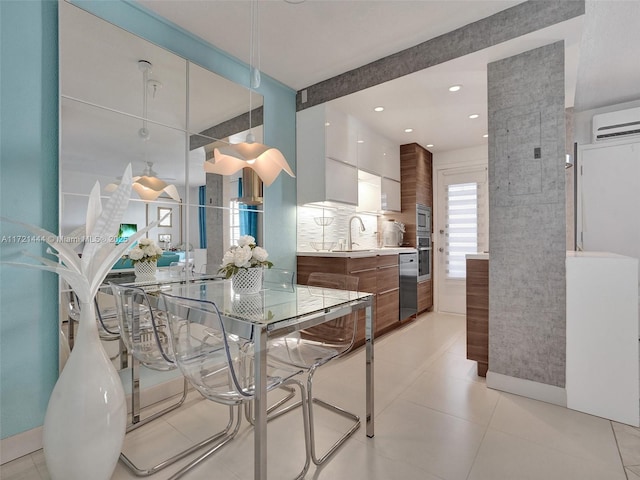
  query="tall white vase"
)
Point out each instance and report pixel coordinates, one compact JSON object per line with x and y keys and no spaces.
{"x":86,"y":418}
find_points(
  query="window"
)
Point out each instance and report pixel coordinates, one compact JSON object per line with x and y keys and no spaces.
{"x":465,"y":230}
{"x":234,"y":222}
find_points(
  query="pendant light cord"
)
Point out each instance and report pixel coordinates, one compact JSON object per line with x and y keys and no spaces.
{"x":254,"y":72}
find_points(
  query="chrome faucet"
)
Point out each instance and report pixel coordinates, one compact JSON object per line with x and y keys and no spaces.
{"x":349,"y":239}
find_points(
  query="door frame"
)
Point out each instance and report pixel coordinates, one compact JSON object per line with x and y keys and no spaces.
{"x":442,"y":162}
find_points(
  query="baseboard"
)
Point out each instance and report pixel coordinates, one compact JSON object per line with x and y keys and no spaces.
{"x":30,"y":441}
{"x":527,"y":388}
{"x":20,"y":445}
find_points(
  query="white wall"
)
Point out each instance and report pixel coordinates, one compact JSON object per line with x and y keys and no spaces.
{"x":461,"y":157}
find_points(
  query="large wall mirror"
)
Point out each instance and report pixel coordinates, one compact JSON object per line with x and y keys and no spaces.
{"x":125,"y":100}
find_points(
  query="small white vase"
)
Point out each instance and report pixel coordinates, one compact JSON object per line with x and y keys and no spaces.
{"x":86,"y":418}
{"x":146,"y":269}
{"x":247,"y":280}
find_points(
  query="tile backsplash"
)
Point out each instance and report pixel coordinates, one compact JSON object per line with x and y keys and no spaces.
{"x":309,"y":230}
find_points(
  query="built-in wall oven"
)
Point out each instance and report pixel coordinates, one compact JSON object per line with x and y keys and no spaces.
{"x":423,"y":241}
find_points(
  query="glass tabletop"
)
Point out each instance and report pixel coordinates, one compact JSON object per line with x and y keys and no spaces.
{"x":269,"y":306}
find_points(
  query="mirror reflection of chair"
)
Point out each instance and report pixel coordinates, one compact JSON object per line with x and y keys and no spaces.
{"x":108,"y":327}
{"x":311,"y":348}
{"x":145,"y":332}
{"x":216,"y":362}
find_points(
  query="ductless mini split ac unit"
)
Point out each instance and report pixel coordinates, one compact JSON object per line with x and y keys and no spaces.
{"x":616,"y":125}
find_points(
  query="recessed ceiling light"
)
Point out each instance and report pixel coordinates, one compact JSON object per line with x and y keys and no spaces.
{"x":486,"y":135}
{"x":455,"y":88}
{"x":429,"y":145}
{"x":408,"y":130}
{"x":327,"y":124}
{"x":473,"y":116}
{"x":379,"y":109}
{"x":360,"y":141}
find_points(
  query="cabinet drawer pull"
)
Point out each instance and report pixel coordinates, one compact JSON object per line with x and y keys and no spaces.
{"x":389,"y":291}
{"x":395,"y":265}
{"x":364,"y":270}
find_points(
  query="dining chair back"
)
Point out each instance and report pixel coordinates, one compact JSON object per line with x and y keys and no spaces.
{"x":278,"y":279}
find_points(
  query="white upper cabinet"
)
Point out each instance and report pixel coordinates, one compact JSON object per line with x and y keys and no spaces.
{"x":326,"y":157}
{"x":331,"y":147}
{"x":390,"y":195}
{"x":369,"y":192}
{"x":338,"y":144}
{"x":377,"y":154}
{"x":367,"y":150}
{"x":390,"y":160}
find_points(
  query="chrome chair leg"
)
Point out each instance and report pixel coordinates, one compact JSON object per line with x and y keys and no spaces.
{"x":221,"y":437}
{"x":248,"y":407}
{"x":307,"y":432}
{"x":334,"y":408}
{"x":145,"y":472}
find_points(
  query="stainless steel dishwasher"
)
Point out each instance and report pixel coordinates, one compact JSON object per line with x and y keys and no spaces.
{"x":408,"y":284}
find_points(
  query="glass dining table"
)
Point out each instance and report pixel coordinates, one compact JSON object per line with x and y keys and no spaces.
{"x":275,"y":312}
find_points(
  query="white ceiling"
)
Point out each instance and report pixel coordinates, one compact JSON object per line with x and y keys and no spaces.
{"x":304,"y":43}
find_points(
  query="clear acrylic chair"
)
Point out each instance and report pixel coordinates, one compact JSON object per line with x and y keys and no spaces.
{"x":278,"y":279}
{"x":281,"y":280}
{"x":145,"y":333}
{"x":106,"y":318}
{"x":316,"y":346}
{"x":216,"y":363}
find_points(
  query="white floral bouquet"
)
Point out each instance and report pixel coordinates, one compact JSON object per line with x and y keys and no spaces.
{"x":243,"y":256}
{"x":145,"y":251}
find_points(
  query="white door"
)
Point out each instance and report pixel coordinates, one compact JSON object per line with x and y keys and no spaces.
{"x":462,"y":226}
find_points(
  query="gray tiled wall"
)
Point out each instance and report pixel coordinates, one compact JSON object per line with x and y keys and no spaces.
{"x":527,"y":237}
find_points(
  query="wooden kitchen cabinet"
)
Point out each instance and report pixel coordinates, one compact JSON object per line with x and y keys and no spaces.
{"x":387,"y":293}
{"x":425,"y":296}
{"x":416,"y":165}
{"x":377,"y":274}
{"x":478,"y":313}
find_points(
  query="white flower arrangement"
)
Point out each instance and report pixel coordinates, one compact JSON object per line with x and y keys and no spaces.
{"x":246,"y":254}
{"x":145,"y":251}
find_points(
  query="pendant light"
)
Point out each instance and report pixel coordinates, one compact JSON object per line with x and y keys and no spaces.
{"x":266,"y":161}
{"x":148,"y":186}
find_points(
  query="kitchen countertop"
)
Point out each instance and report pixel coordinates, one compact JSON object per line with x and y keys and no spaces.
{"x":360,"y":253}
{"x":477,"y":256}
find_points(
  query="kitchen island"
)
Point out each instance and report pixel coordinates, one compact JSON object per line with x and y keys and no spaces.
{"x":478,"y":310}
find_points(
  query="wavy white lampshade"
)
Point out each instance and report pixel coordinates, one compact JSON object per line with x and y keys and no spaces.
{"x":266,"y":161}
{"x":149,"y":186}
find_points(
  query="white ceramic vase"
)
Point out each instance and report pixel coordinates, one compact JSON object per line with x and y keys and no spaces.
{"x":86,"y":418}
{"x":247,"y":280}
{"x":146,"y":270}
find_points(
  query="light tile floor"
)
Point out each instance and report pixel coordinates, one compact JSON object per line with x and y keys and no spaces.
{"x":435,"y":419}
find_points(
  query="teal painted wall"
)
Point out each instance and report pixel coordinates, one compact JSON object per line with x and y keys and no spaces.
{"x":29,"y":180}
{"x":29,"y":192}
